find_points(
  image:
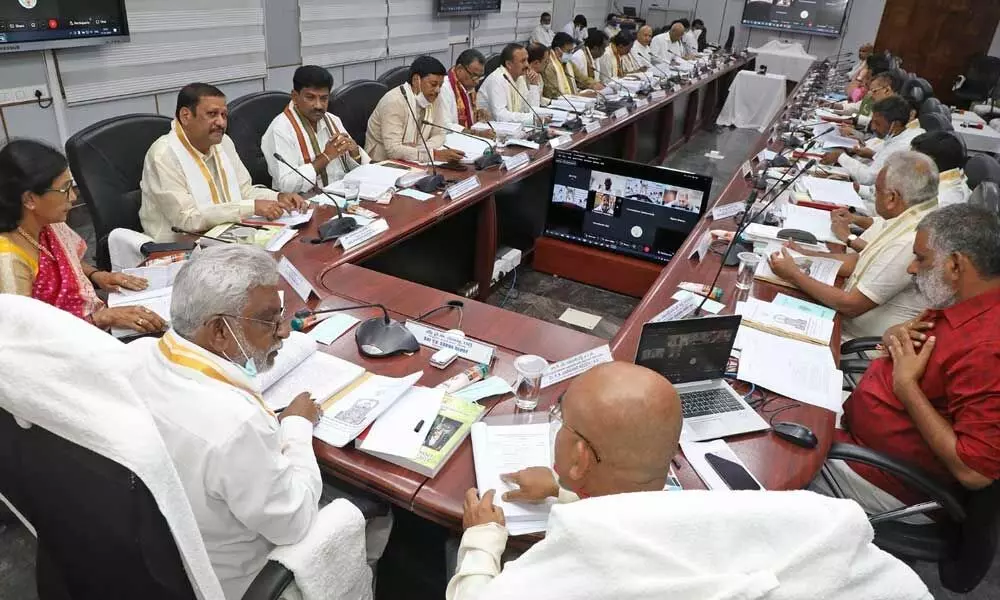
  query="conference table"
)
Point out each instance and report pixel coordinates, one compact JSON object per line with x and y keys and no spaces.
{"x":341,"y":279}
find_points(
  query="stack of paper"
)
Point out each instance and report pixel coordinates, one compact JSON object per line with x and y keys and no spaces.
{"x":287,"y":219}
{"x":832,"y":191}
{"x":823,"y":270}
{"x":501,"y":449}
{"x":502,"y":128}
{"x":813,"y":220}
{"x":156,"y":300}
{"x":157,"y":277}
{"x":473,"y":147}
{"x":784,"y":321}
{"x":300,"y":367}
{"x":354,"y":410}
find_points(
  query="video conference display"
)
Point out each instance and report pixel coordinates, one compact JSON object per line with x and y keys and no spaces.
{"x":820,"y":17}
{"x":35,"y":22}
{"x":626,"y":207}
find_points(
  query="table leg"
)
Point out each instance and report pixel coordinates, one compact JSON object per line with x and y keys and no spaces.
{"x":691,"y":117}
{"x":666,"y":132}
{"x":486,"y":246}
{"x":708,"y":111}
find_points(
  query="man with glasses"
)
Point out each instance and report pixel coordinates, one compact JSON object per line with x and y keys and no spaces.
{"x":458,"y":94}
{"x":250,"y":475}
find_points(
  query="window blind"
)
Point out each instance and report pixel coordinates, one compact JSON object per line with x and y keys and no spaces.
{"x":173,"y":43}
{"x":338,"y":32}
{"x":413,"y":28}
{"x":497,"y":28}
{"x":528,"y":13}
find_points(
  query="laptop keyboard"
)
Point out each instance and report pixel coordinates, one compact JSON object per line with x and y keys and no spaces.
{"x":708,"y":402}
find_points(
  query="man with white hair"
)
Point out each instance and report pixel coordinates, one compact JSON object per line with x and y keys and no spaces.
{"x":251,"y":476}
{"x":669,"y":45}
{"x":933,"y":402}
{"x":879,"y":293}
{"x":642,"y":52}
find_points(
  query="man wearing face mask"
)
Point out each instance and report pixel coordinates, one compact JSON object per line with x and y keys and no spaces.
{"x":558,"y":71}
{"x":192,"y":177}
{"x":933,"y":401}
{"x":394,"y":125}
{"x":543,"y":33}
{"x":585,"y":60}
{"x":251,"y":476}
{"x":878,"y":292}
{"x":497,"y":94}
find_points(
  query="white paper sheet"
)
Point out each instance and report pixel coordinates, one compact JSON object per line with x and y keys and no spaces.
{"x":710,"y":305}
{"x":501,"y":449}
{"x":823,"y":270}
{"x":356,"y":411}
{"x":322,"y":375}
{"x":157,"y":277}
{"x":813,"y":220}
{"x":401,"y":430}
{"x":156,"y":300}
{"x":695,"y":453}
{"x":788,"y":320}
{"x":473,"y":147}
{"x":331,"y":328}
{"x":287,"y":219}
{"x":832,"y":191}
{"x":376,"y":174}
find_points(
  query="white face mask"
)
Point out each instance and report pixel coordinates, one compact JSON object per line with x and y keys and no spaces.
{"x":565,"y":58}
{"x":547,"y":26}
{"x":422,"y":100}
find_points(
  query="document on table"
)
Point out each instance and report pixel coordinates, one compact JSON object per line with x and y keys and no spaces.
{"x":332,"y":327}
{"x":807,"y":307}
{"x":473,"y":147}
{"x":813,"y":220}
{"x":788,"y":322}
{"x":823,"y":270}
{"x":287,"y":219}
{"x":157,"y":278}
{"x":350,"y":415}
{"x":575,"y":365}
{"x":156,"y":300}
{"x":695,"y":453}
{"x":401,"y":430}
{"x":832,"y":191}
{"x":376,"y":174}
{"x":799,"y":370}
{"x":501,"y":449}
{"x":321,"y":374}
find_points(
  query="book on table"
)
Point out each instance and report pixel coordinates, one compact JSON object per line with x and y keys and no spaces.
{"x":301,"y":367}
{"x":823,"y":270}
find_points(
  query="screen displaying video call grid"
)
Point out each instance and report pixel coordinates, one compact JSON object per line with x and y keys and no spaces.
{"x":625,"y":207}
{"x":24,"y":21}
{"x":820,"y":17}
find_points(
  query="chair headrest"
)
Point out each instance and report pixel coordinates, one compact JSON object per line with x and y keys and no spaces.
{"x":980,"y":168}
{"x":935,"y":121}
{"x":987,"y":195}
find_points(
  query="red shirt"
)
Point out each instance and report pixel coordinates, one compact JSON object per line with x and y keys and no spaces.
{"x":962,"y":382}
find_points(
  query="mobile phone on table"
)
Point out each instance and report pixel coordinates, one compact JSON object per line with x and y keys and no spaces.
{"x":733,"y":473}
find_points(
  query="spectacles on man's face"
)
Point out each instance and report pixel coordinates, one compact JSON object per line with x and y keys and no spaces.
{"x":472,"y":76}
{"x":556,"y":415}
{"x":65,"y":190}
{"x":274,"y":325}
{"x":880,"y":90}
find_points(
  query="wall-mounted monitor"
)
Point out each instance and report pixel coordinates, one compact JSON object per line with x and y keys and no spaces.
{"x":453,"y":8}
{"x":43,"y":24}
{"x":814,"y":17}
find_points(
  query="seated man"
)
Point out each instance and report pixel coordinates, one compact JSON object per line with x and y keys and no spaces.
{"x":585,"y":61}
{"x":558,"y":74}
{"x":890,"y":122}
{"x":309,"y":137}
{"x":611,"y":28}
{"x":542,"y":33}
{"x":192,"y":177}
{"x":879,"y":292}
{"x":458,"y":93}
{"x":884,"y":85}
{"x":394,"y":124}
{"x":669,"y":46}
{"x":577,"y":28}
{"x":618,"y":62}
{"x":642,"y":53}
{"x":497,"y":94}
{"x":615,"y":533}
{"x":690,"y":38}
{"x":251,"y":477}
{"x":934,"y":402}
{"x":537,"y":54}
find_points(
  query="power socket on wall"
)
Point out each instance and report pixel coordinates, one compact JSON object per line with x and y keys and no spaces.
{"x":23,"y":94}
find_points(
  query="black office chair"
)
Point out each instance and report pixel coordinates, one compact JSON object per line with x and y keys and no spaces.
{"x":979,"y":82}
{"x":106,"y":160}
{"x":980,"y":168}
{"x":354,"y":102}
{"x":249,"y":118}
{"x":962,"y":541}
{"x":395,"y":77}
{"x":931,"y":105}
{"x":492,"y":63}
{"x":917,"y":89}
{"x":987,"y":195}
{"x":935,"y":121}
{"x":730,"y":39}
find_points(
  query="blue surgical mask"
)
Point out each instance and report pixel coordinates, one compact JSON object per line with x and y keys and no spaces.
{"x":565,"y":58}
{"x":249,"y":367}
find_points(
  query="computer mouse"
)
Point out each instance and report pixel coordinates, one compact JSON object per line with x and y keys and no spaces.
{"x":800,"y":435}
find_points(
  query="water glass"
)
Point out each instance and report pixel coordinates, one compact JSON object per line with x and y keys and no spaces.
{"x":244,"y":235}
{"x":352,"y":191}
{"x":747,"y":268}
{"x":528,"y":387}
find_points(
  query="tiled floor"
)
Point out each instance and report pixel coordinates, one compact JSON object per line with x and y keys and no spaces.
{"x":415,"y":554}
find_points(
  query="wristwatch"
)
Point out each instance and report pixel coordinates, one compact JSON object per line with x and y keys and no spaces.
{"x":850,"y":240}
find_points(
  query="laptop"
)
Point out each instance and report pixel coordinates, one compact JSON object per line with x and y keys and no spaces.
{"x":693,"y":355}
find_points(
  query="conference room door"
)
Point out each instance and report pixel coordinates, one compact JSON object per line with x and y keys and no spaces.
{"x":937,"y":38}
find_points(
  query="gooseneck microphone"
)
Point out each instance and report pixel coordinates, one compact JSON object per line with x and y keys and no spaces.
{"x":490,"y":156}
{"x":575,"y":123}
{"x":200,"y":235}
{"x":434,"y":181}
{"x":541,"y":136}
{"x":333,"y":228}
{"x":631,"y":100}
{"x":378,"y":337}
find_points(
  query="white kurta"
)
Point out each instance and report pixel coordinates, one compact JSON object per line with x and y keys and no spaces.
{"x":503,"y":103}
{"x":865,"y":174}
{"x":690,"y":41}
{"x":280,"y":137}
{"x":579,"y":33}
{"x":252,"y":483}
{"x":543,"y":35}
{"x":643,"y":55}
{"x":953,"y":188}
{"x":448,"y":107}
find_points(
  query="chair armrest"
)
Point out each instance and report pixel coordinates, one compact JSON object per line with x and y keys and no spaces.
{"x":854,"y":366}
{"x":909,"y":474}
{"x":270,"y":583}
{"x":864,"y":344}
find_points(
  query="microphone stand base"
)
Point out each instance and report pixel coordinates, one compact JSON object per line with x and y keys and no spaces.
{"x":732,"y":258}
{"x":430,"y":184}
{"x":488,"y":160}
{"x":575,"y":124}
{"x":336,"y":227}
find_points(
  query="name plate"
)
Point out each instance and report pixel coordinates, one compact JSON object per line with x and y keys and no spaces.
{"x":517,"y":161}
{"x":679,"y":310}
{"x":559,"y":141}
{"x":575,"y":365}
{"x":592,"y":126}
{"x":360,"y":236}
{"x":746,"y":169}
{"x":621,"y":112}
{"x":658,"y":95}
{"x":295,"y":279}
{"x":462,"y":187}
{"x":467,"y":348}
{"x":641,"y":102}
{"x":725,"y":211}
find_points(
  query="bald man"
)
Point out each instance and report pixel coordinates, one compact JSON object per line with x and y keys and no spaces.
{"x":669,"y":46}
{"x":615,"y":534}
{"x":642,"y":52}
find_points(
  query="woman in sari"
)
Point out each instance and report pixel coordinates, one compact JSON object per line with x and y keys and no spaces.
{"x":40,"y":256}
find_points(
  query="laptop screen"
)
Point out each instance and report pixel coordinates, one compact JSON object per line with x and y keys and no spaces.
{"x":688,"y":350}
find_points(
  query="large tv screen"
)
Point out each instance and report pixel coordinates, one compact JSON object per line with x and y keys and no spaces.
{"x":43,"y":24}
{"x":816,"y":17}
{"x":454,"y":8}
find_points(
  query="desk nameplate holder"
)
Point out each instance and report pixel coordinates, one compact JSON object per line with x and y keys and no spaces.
{"x":467,"y":348}
{"x":462,"y":187}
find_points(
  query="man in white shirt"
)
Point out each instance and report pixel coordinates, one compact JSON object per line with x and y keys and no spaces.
{"x":251,"y":477}
{"x":585,"y":60}
{"x":192,"y":177}
{"x":614,"y":532}
{"x":611,"y":28}
{"x":542,"y":34}
{"x":458,"y":93}
{"x":497,"y":94}
{"x":689,"y":39}
{"x":642,"y":53}
{"x":618,"y":62}
{"x":879,"y":292}
{"x":577,"y":28}
{"x":669,"y":46}
{"x":309,"y":137}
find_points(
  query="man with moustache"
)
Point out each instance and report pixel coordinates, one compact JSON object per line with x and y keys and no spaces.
{"x":192,"y":177}
{"x":934,"y":401}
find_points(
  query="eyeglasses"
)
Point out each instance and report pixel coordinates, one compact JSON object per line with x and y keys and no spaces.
{"x":555,"y":414}
{"x":64,"y":190}
{"x":880,"y":90}
{"x":273,"y":324}
{"x":473,"y":76}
